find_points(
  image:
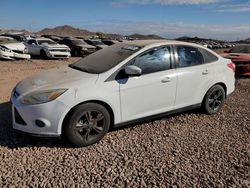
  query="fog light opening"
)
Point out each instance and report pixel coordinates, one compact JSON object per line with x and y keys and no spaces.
{"x":40,"y":123}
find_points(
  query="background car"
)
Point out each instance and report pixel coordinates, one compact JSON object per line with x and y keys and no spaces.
{"x":109,"y":42}
{"x":78,"y":47}
{"x":240,"y":55}
{"x":46,"y":48}
{"x":83,"y":100}
{"x":97,"y":43}
{"x":11,"y":48}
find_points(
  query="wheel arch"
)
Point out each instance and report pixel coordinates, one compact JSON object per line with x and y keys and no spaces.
{"x":104,"y":104}
{"x":218,"y":83}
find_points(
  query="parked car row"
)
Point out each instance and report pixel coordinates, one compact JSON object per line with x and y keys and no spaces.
{"x":12,"y":49}
{"x":18,"y":46}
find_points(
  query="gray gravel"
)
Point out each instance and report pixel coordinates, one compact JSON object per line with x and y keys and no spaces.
{"x":184,"y":150}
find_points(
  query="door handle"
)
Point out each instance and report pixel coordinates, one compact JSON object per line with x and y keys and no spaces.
{"x":165,"y":80}
{"x":205,"y":72}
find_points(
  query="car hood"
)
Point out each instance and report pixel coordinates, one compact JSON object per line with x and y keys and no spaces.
{"x":15,"y":46}
{"x":64,"y":77}
{"x":237,"y":57}
{"x":55,"y":45}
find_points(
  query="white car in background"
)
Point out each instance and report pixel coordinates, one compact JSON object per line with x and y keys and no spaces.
{"x":124,"y":83}
{"x":47,"y":48}
{"x":12,"y":49}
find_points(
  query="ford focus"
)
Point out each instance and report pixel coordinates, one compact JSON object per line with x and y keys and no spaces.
{"x":121,"y":84}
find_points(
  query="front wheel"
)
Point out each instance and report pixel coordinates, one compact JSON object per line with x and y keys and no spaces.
{"x":214,"y":99}
{"x":88,"y":124}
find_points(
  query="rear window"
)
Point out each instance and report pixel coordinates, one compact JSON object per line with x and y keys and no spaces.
{"x":208,"y":56}
{"x":105,"y":59}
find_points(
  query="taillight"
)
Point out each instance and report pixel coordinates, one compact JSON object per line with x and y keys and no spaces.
{"x":231,"y":66}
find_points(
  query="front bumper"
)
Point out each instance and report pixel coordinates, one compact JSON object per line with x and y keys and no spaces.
{"x":51,"y":114}
{"x":58,"y":54}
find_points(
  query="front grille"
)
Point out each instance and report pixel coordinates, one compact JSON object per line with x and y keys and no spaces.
{"x":18,"y":51}
{"x":18,"y":118}
{"x":60,"y":56}
{"x":58,"y":50}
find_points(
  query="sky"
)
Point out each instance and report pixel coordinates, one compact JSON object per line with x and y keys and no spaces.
{"x":218,"y":19}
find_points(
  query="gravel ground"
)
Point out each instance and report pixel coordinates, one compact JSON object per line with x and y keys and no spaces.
{"x":185,"y":150}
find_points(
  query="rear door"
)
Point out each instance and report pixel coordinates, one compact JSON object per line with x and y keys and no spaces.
{"x":195,"y":75}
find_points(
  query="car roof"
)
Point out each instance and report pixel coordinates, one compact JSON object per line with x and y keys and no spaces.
{"x":143,"y":43}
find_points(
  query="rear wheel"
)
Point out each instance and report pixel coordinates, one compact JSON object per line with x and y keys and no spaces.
{"x":88,"y":124}
{"x":214,"y":99}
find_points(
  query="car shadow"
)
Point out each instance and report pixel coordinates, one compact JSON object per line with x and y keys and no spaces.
{"x":13,"y":139}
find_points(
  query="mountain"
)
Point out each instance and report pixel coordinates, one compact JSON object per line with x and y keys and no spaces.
{"x":14,"y":31}
{"x":140,"y":36}
{"x":66,"y":30}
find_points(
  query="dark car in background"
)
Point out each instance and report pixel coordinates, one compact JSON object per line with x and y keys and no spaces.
{"x":97,"y":43}
{"x":240,"y":55}
{"x":78,"y":47}
{"x":53,"y":37}
{"x":110,"y":42}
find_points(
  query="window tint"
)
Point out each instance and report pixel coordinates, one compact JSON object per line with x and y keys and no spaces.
{"x":189,"y":56}
{"x":208,"y":57}
{"x":31,"y":42}
{"x":157,"y":59}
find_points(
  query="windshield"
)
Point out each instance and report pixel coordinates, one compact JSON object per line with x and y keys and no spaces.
{"x":7,"y":40}
{"x":97,"y":42}
{"x":105,"y":59}
{"x":241,"y":49}
{"x":41,"y":42}
{"x":78,"y":41}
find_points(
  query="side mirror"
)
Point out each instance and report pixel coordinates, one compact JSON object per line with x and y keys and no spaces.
{"x":133,"y":70}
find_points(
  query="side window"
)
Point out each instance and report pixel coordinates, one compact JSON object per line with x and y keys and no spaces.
{"x":31,"y":42}
{"x":208,"y":57}
{"x":189,"y":56}
{"x":154,"y":60}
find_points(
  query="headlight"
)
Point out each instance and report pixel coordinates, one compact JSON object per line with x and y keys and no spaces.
{"x":40,"y":97}
{"x":25,"y":50}
{"x":85,"y":49}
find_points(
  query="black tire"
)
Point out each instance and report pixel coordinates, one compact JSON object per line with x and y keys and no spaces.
{"x":43,"y":54}
{"x":214,"y":99}
{"x":87,"y":125}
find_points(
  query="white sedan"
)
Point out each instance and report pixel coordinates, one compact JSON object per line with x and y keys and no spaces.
{"x":47,"y":48}
{"x":121,"y":84}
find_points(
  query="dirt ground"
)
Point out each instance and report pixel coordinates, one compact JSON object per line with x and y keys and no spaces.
{"x":184,"y":150}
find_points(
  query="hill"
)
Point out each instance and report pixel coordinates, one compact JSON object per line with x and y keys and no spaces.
{"x":66,"y":30}
{"x":140,"y":36}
